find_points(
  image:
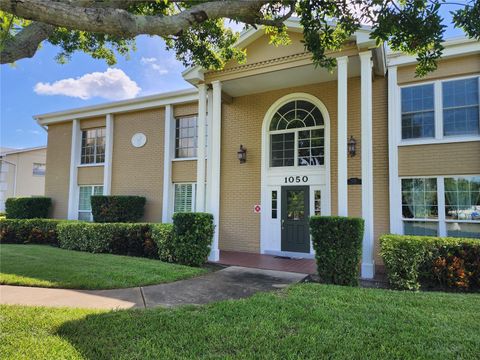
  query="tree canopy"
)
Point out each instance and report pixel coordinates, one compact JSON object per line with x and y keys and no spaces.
{"x":196,"y":30}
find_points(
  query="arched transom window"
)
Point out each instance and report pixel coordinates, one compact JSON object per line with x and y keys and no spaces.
{"x":297,"y":135}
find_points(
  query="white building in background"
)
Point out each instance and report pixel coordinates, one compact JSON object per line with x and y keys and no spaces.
{"x":22,"y":173}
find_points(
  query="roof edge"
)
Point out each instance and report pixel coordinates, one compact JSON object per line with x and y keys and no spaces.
{"x":144,"y":102}
{"x":17,"y":151}
{"x":457,"y":46}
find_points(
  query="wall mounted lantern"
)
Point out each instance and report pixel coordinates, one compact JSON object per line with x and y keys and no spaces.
{"x":242,"y":154}
{"x":351,"y":146}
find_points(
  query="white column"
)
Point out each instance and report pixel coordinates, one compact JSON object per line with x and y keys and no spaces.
{"x":202,"y":118}
{"x":169,"y":143}
{"x":214,"y":176}
{"x":74,"y":161}
{"x":107,"y":167}
{"x":342,"y":135}
{"x":393,"y":138}
{"x":368,"y":247}
{"x":209,"y":148}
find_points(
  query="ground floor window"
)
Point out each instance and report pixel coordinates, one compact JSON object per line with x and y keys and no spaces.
{"x":84,"y":205}
{"x":441,"y":206}
{"x":184,"y":198}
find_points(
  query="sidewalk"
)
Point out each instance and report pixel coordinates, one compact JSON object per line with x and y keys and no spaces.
{"x":234,"y":282}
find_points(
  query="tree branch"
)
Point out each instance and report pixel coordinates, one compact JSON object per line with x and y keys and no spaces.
{"x":115,"y":21}
{"x":25,"y":43}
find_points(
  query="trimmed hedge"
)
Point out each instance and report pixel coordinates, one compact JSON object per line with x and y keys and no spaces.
{"x":338,"y":248}
{"x":162,"y":235}
{"x":28,"y":207}
{"x":117,"y":208}
{"x":29,"y":231}
{"x":192,"y":239}
{"x":114,"y":238}
{"x":412,"y":262}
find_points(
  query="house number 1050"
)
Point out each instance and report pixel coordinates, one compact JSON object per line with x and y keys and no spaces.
{"x":295,"y":179}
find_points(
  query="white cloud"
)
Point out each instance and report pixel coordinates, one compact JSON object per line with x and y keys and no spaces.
{"x":112,"y":84}
{"x":149,"y":60}
{"x":155,"y":65}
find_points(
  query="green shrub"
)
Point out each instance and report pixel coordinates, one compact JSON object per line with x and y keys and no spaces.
{"x":28,"y":207}
{"x":412,"y":262}
{"x":116,"y":209}
{"x":162,"y":235}
{"x":192,"y":239}
{"x":338,"y":248}
{"x":402,"y":257}
{"x":83,"y":236}
{"x":115,"y":238}
{"x":29,"y":231}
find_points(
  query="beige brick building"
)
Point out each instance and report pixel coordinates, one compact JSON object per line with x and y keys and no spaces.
{"x":265,"y":144}
{"x":22,"y":173}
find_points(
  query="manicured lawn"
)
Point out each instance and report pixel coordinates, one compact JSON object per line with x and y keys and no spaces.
{"x":46,"y":266}
{"x":304,"y":321}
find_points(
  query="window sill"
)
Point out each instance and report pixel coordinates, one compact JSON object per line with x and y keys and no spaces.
{"x":463,"y":221}
{"x":91,"y":165}
{"x":420,"y":219}
{"x":445,"y":140}
{"x":185,"y":159}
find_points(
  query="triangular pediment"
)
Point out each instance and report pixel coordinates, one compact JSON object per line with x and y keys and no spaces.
{"x":260,"y":50}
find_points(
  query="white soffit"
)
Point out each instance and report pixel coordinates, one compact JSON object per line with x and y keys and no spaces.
{"x":291,"y":77}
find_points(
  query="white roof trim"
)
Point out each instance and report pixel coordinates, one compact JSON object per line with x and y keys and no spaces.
{"x":454,"y":47}
{"x":17,"y":151}
{"x":145,"y":102}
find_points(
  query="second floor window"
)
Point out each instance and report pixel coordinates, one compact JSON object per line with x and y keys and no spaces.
{"x":451,"y":105}
{"x":186,"y":137}
{"x":93,"y":146}
{"x":418,"y":116}
{"x":460,"y":107}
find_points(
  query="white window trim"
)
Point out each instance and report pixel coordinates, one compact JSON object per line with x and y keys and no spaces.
{"x":185,"y":159}
{"x":438,"y":115}
{"x":92,"y":193}
{"x":91,"y":165}
{"x":441,"y":219}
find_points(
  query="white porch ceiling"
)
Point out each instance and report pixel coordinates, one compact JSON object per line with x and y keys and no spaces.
{"x":292,"y":77}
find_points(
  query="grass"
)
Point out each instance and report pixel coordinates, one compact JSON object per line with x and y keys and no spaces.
{"x":304,"y":321}
{"x":46,"y":266}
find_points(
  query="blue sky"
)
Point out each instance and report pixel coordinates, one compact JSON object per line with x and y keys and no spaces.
{"x":39,"y":85}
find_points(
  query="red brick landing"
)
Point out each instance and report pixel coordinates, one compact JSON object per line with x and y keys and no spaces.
{"x":269,"y":262}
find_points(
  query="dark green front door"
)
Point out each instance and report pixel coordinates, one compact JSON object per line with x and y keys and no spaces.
{"x":295,"y":214}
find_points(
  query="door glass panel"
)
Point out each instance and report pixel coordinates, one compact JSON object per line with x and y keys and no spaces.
{"x":295,"y":204}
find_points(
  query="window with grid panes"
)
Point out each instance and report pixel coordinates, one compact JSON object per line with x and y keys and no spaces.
{"x":93,"y":146}
{"x":297,"y":135}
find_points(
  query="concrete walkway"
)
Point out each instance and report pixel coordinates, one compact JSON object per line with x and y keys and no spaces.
{"x":230,"y":283}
